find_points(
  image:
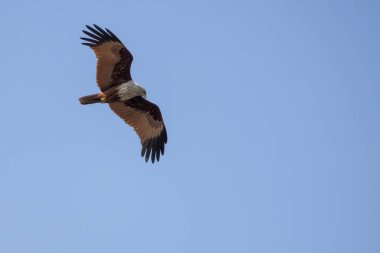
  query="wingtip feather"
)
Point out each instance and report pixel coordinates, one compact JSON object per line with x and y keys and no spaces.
{"x":88,"y":44}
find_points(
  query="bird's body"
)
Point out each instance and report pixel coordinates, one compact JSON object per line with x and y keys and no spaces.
{"x":122,"y":92}
{"x":125,"y":97}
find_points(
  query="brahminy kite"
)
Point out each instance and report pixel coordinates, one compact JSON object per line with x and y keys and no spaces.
{"x":125,"y":97}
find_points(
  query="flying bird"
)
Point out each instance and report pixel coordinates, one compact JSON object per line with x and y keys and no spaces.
{"x":125,"y":97}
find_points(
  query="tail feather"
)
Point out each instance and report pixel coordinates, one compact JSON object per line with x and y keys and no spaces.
{"x":90,"y":99}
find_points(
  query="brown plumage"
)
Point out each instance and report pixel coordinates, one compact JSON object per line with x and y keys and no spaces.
{"x":114,"y":59}
{"x":146,"y":119}
{"x":123,"y":95}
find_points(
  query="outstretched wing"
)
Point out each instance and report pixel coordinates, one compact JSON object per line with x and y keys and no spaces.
{"x":114,"y":59}
{"x":146,"y":119}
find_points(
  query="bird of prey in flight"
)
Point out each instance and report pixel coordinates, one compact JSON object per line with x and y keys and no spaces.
{"x":125,"y":97}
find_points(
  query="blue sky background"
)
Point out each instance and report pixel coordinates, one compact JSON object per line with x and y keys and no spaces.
{"x":272,"y":111}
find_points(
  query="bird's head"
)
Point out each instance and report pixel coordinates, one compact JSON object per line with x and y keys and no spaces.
{"x":141,"y":91}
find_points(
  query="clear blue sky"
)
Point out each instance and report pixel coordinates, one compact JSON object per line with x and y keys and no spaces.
{"x":272,"y":111}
